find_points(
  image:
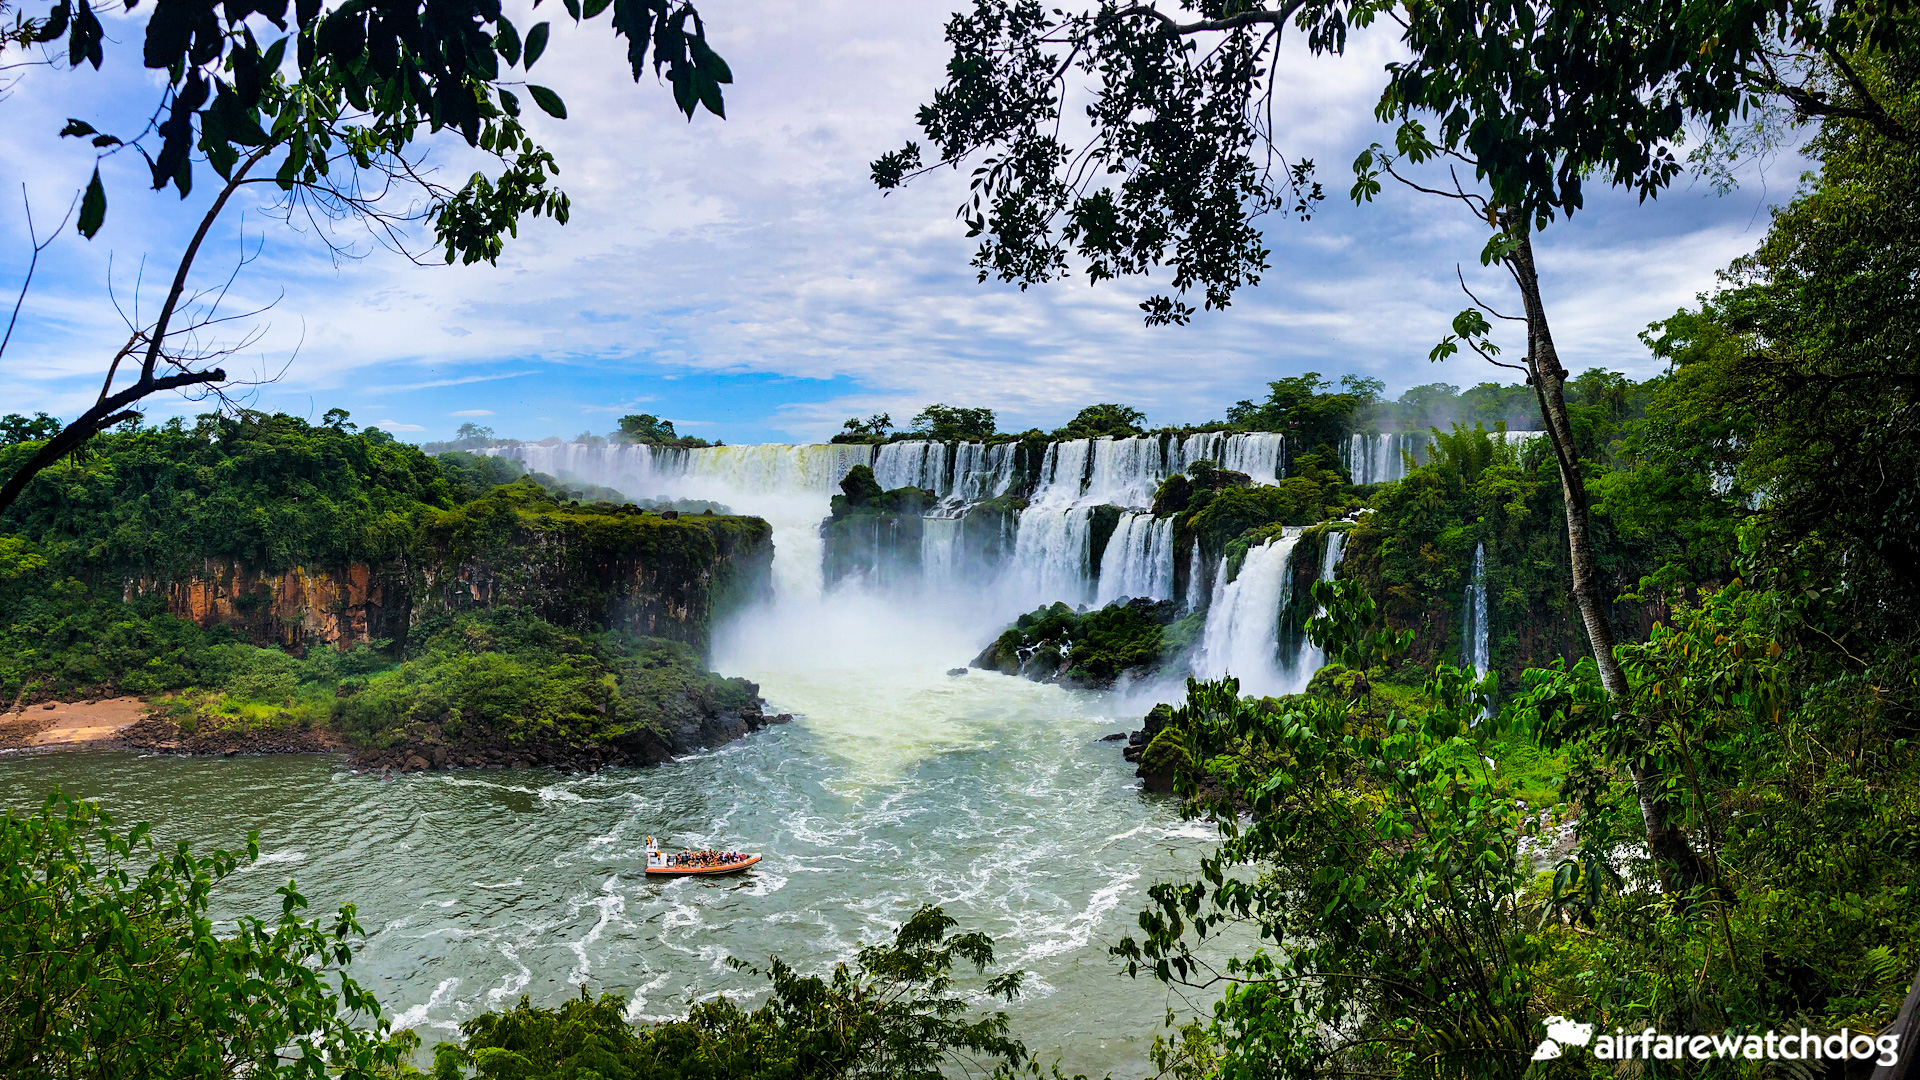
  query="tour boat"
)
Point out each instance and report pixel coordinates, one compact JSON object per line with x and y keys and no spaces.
{"x":689,"y":863}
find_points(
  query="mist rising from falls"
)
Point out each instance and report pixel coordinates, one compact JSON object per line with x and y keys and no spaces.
{"x":1086,"y":535}
{"x":790,"y":486}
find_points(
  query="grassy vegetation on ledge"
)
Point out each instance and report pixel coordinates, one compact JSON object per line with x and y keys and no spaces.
{"x":480,"y":688}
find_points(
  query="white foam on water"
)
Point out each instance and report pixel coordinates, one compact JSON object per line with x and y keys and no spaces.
{"x":272,"y":858}
{"x":417,"y":1015}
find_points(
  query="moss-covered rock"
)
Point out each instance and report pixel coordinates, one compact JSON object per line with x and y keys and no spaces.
{"x":1101,"y":522}
{"x":1161,"y":762}
{"x":1083,"y":648}
{"x":505,"y":686}
{"x":872,"y":532}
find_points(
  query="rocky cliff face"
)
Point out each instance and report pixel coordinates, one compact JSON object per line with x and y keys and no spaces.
{"x":589,"y":569}
{"x":585,"y":568}
{"x":294,"y":609}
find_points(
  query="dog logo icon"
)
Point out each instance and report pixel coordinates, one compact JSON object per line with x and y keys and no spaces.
{"x":1562,"y":1033}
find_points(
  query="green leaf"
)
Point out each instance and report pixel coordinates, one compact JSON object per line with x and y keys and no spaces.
{"x":507,"y":42}
{"x":276,"y":52}
{"x":536,"y":44}
{"x":573,"y":9}
{"x":509,"y":104}
{"x":76,"y":128}
{"x":593,"y":7}
{"x":1499,"y":246}
{"x":548,"y":101}
{"x":93,"y":206}
{"x":709,"y":61}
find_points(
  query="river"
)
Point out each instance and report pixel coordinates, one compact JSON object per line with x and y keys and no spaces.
{"x":896,"y":784}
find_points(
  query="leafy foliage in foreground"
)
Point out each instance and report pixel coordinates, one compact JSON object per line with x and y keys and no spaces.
{"x":1411,"y":931}
{"x":891,"y":1014}
{"x":113,"y":968}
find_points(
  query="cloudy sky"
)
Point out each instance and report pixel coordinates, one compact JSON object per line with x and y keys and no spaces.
{"x":744,"y":279}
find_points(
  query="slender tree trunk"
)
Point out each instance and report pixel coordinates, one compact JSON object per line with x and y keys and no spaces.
{"x":1679,"y":867}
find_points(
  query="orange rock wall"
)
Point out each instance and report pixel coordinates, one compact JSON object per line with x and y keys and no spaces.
{"x":296,"y":609}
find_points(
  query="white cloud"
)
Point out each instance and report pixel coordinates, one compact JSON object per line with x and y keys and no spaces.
{"x":390,"y":425}
{"x":758,"y":247}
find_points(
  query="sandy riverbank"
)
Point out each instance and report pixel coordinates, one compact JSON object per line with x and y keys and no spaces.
{"x":69,"y":723}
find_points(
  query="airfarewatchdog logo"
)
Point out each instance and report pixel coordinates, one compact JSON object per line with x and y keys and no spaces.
{"x":1564,"y":1035}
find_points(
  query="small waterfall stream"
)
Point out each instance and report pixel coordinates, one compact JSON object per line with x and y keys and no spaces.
{"x":1474,"y":650}
{"x":1311,"y":657}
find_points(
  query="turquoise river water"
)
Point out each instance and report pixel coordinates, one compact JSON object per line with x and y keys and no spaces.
{"x":895,"y":785}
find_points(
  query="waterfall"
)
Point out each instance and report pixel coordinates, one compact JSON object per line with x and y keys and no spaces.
{"x":1474,"y":650}
{"x":790,"y":486}
{"x":1260,"y":454}
{"x":1242,"y":637}
{"x":940,"y":551}
{"x":1050,"y":554}
{"x":1138,"y":560}
{"x":1376,"y":459}
{"x":958,"y":473}
{"x":1310,"y":657}
{"x":1047,"y":558}
{"x":1196,"y":580}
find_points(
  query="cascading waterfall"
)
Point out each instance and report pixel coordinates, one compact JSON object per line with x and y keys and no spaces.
{"x":1474,"y":648}
{"x":1139,"y":559}
{"x":1079,"y":474}
{"x":940,"y":551}
{"x":958,"y":473}
{"x":1050,"y":554}
{"x":1377,"y":459}
{"x":789,"y":486}
{"x":1242,"y":636}
{"x":1046,"y":558}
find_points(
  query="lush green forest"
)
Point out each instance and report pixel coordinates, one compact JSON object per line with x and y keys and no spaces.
{"x":1754,"y":521}
{"x":550,"y":668}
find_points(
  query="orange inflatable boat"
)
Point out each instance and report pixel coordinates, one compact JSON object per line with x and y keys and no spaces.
{"x":695,"y":863}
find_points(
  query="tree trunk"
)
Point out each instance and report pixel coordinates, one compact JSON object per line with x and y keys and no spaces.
{"x":1679,"y":867}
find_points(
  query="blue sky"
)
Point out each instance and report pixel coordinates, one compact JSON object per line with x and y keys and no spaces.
{"x":744,"y":279}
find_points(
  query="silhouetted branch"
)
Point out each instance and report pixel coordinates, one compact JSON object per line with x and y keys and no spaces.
{"x":33,"y":260}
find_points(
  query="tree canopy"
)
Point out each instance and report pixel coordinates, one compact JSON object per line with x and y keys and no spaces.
{"x":951,"y":423}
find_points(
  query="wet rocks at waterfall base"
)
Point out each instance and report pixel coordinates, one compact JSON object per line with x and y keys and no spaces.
{"x":1156,"y":749}
{"x":1089,"y":649}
